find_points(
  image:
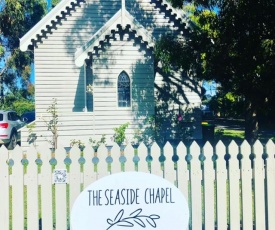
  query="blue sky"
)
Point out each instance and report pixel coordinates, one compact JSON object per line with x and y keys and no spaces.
{"x":210,"y":87}
{"x":49,"y":3}
{"x":32,"y":74}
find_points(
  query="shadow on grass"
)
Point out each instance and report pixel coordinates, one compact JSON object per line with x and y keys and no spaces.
{"x":228,"y":135}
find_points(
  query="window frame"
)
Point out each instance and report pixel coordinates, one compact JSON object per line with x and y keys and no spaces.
{"x":130,"y":91}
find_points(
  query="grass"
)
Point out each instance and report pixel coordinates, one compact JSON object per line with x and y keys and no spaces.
{"x":230,"y":133}
{"x":227,"y":135}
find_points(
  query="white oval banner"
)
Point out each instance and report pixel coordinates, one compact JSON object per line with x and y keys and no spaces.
{"x":130,"y":200}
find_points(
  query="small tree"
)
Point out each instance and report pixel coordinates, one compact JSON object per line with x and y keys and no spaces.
{"x":52,"y":124}
{"x":119,"y":136}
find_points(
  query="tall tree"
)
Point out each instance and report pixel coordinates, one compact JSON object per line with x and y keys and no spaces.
{"x":16,"y":18}
{"x":233,"y":42}
{"x":54,"y":2}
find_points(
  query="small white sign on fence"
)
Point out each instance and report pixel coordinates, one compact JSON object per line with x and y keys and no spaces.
{"x":133,"y":200}
{"x":60,"y":176}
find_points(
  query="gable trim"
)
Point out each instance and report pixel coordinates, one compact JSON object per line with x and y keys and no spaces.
{"x":63,"y":7}
{"x":44,"y":23}
{"x":82,"y":53}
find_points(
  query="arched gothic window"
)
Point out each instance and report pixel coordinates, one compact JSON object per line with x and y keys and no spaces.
{"x":123,"y":90}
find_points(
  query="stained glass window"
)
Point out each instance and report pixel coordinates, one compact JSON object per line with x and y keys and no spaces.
{"x":123,"y":90}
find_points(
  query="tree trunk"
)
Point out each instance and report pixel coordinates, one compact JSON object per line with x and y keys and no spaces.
{"x":251,"y":124}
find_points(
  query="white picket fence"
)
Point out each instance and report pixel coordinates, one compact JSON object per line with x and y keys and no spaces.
{"x":226,"y":187}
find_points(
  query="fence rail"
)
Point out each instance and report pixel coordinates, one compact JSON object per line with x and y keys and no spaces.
{"x":227,"y":187}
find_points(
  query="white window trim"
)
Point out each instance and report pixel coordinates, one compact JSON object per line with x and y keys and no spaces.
{"x":131,"y":101}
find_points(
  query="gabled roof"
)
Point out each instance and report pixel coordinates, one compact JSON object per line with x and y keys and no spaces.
{"x":112,"y":25}
{"x":62,"y":10}
{"x":58,"y":11}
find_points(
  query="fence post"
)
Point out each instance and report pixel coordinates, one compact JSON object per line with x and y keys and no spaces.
{"x":89,"y":173}
{"x":102,"y":166}
{"x":221,"y":187}
{"x":142,"y":154}
{"x":75,"y":176}
{"x":17,"y":190}
{"x":169,"y":168}
{"x":60,"y":192}
{"x":270,"y":173}
{"x":46,"y":187}
{"x":182,"y":171}
{"x":32,"y":189}
{"x":246,"y":178}
{"x":259,"y":186}
{"x":129,"y":153}
{"x":209,"y":177}
{"x":156,"y":168}
{"x":196,"y":189}
{"x":4,"y":191}
{"x":234,"y":186}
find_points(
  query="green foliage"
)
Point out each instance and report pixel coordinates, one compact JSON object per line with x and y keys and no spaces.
{"x":55,"y":2}
{"x":32,"y":135}
{"x":17,"y":103}
{"x":2,"y":50}
{"x":227,"y":104}
{"x":232,"y":42}
{"x":119,"y":135}
{"x":79,"y":143}
{"x":147,"y":133}
{"x":96,"y":143}
{"x":173,"y":125}
{"x":219,"y":133}
{"x":166,"y":126}
{"x":16,"y":19}
{"x":52,"y":123}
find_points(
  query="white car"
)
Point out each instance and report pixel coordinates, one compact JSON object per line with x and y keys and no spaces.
{"x":10,"y":122}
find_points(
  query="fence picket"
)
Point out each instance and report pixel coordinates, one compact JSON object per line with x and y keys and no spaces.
{"x":209,"y":177}
{"x":221,"y":190}
{"x":270,"y":172}
{"x":259,"y":186}
{"x":4,"y":191}
{"x":31,"y":180}
{"x":60,"y":192}
{"x":75,"y":177}
{"x":17,"y":190}
{"x":115,"y":154}
{"x":246,"y":178}
{"x":102,"y":166}
{"x":89,"y":173}
{"x":156,"y":168}
{"x":169,"y":168}
{"x":142,"y":154}
{"x":46,"y":188}
{"x":129,"y":153}
{"x":234,"y":186}
{"x":196,"y":190}
{"x":182,"y":170}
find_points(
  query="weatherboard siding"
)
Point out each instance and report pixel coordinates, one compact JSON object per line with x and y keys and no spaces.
{"x":58,"y":77}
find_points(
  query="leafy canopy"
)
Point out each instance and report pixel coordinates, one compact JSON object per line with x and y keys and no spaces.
{"x":17,"y":17}
{"x":233,"y":43}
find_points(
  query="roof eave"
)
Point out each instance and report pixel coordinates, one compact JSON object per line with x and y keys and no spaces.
{"x":82,"y":53}
{"x":26,"y":40}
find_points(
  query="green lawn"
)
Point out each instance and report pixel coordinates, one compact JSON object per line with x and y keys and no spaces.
{"x":238,"y":135}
